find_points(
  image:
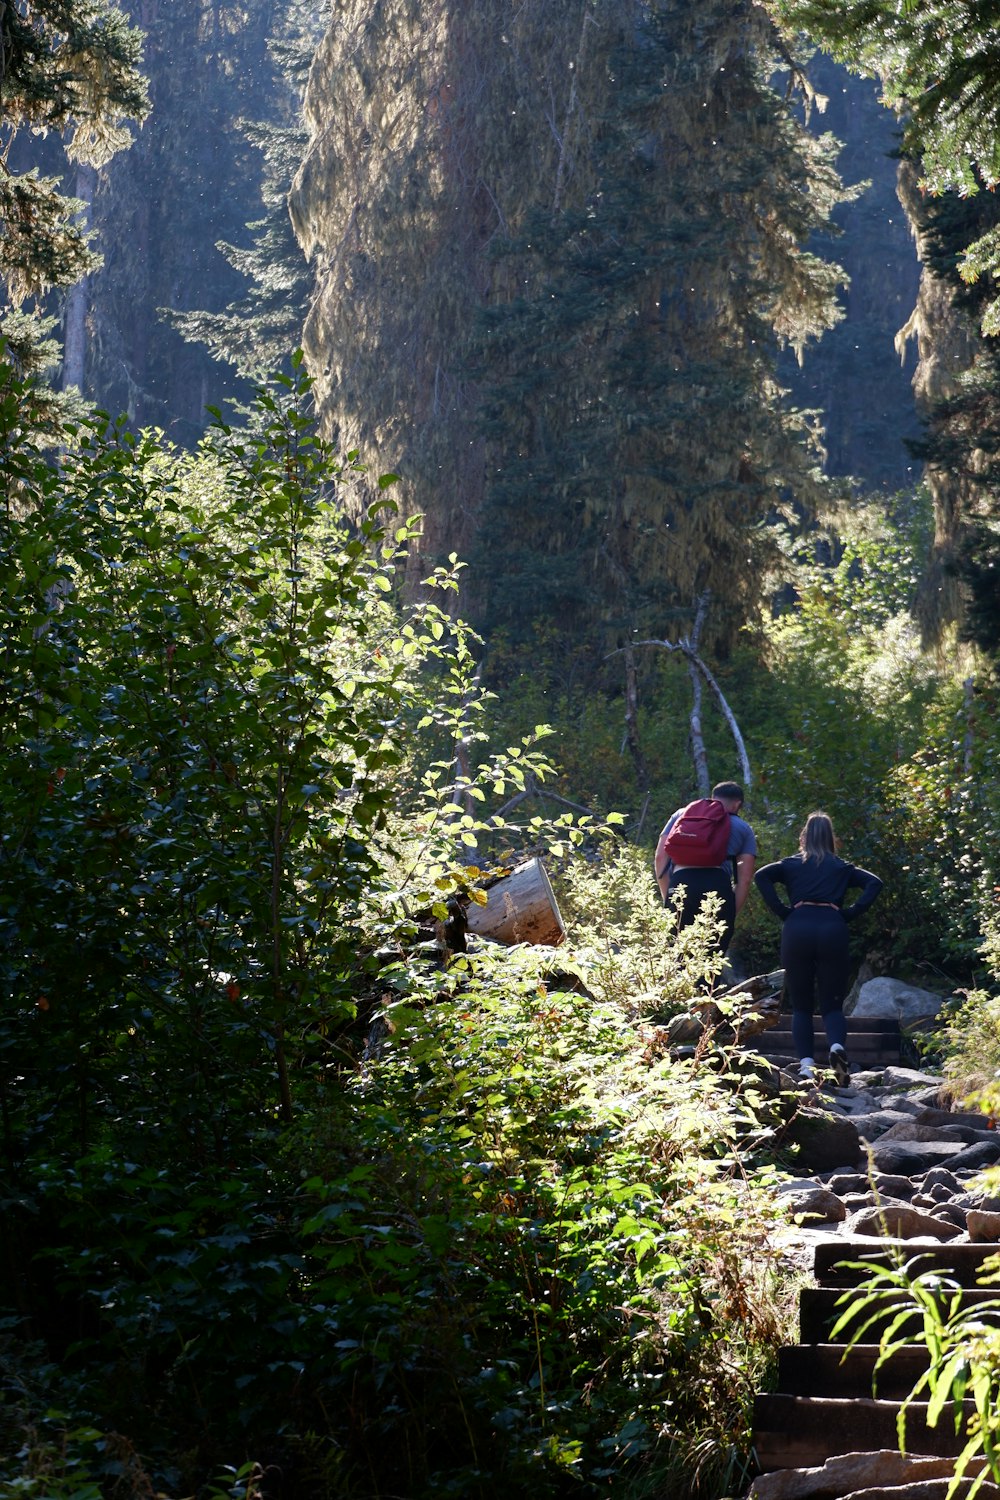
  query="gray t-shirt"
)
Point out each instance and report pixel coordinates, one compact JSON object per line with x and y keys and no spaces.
{"x":742,"y":839}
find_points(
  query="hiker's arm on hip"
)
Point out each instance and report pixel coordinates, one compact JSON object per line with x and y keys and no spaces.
{"x":745,"y":864}
{"x":661,"y":869}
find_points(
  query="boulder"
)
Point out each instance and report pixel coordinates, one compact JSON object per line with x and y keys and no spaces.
{"x":909,"y":1158}
{"x":855,"y":1201}
{"x":871,"y":1126}
{"x":936,"y":1193}
{"x":975,"y":1158}
{"x":859,"y":1103}
{"x":911,"y":1129}
{"x":893,"y":1186}
{"x":824,"y":1141}
{"x":985,"y":1202}
{"x":683,"y":1028}
{"x":927,"y":1116}
{"x":814,"y":1205}
{"x":952,"y":1213}
{"x":928,"y":1489}
{"x":895,"y":1000}
{"x":984,"y":1228}
{"x":899,"y":1221}
{"x":849,"y":1472}
{"x":903,"y":1079}
{"x":939,"y":1177}
{"x":848,"y":1182}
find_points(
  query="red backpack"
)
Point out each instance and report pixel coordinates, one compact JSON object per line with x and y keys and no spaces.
{"x":700,"y":835}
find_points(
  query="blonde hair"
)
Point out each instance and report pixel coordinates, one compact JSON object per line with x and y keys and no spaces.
{"x":817,"y":838}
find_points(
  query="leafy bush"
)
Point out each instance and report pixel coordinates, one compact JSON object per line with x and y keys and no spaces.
{"x":629,"y":944}
{"x":540,"y":1249}
{"x":288,"y":1200}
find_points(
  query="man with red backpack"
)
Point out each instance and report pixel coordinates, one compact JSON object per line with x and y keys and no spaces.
{"x":701,"y":848}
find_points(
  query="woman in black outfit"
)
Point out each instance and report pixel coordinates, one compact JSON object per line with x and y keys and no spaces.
{"x":814,"y":940}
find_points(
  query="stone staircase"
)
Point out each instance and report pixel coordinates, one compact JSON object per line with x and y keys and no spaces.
{"x":825,"y":1404}
{"x":870,"y":1044}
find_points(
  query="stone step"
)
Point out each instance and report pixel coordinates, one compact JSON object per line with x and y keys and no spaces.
{"x":832,"y":1370}
{"x":872,"y":1046}
{"x":802,"y":1432}
{"x":820,"y":1307}
{"x":834,"y":1261}
{"x":856,"y":1025}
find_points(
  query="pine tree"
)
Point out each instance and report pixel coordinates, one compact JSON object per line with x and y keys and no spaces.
{"x":961,"y":441}
{"x":636,"y":379}
{"x":938,"y":62}
{"x":258,"y":330}
{"x":70,"y":74}
{"x":191,"y":181}
{"x":617,"y":192}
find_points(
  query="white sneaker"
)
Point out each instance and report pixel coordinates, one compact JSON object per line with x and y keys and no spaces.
{"x":807,"y":1068}
{"x":841,"y":1067}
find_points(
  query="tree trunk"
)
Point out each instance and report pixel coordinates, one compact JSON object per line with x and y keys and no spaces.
{"x":78,"y":297}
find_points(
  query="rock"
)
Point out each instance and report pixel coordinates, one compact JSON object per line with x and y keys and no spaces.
{"x":815,"y":1205}
{"x":868,"y":1078}
{"x":895,"y":1000}
{"x":974,"y":1158}
{"x":952,"y":1213}
{"x":796,"y":1185}
{"x":927,"y":1489}
{"x":824,"y":1141}
{"x":893,"y":1186}
{"x":985,"y":1202}
{"x":938,"y":1096}
{"x":928,"y":1116}
{"x":970,"y":1134}
{"x":937,"y":1193}
{"x":859,"y":1103}
{"x":911,"y":1078}
{"x":984,"y":1228}
{"x":849,"y":1472}
{"x":854,"y":1201}
{"x":905,"y":1104}
{"x":849,"y":1182}
{"x":939,"y":1177}
{"x":910,"y":1129}
{"x":899,"y":1221}
{"x":912,"y":1157}
{"x":683,"y":1028}
{"x":871,"y":1126}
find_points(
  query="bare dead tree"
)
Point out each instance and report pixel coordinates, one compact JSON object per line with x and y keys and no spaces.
{"x":632,"y":721}
{"x":688,"y":647}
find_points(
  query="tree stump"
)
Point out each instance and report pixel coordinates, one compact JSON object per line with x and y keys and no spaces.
{"x":520,"y":908}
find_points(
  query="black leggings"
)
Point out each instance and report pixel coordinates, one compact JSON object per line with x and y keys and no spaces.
{"x":815,"y":953}
{"x":697,"y":884}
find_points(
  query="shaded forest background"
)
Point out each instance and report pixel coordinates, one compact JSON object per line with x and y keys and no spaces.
{"x":647,"y":369}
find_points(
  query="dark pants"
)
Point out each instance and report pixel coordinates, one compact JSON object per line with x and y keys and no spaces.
{"x":815,"y":953}
{"x":697,"y":884}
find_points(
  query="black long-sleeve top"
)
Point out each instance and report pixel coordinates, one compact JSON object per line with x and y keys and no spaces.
{"x":821,"y":881}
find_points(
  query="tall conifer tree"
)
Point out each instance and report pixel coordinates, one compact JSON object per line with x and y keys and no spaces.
{"x":637,"y":435}
{"x":937,"y":62}
{"x":191,"y":181}
{"x":620,"y":191}
{"x":257,"y":330}
{"x":69,"y":74}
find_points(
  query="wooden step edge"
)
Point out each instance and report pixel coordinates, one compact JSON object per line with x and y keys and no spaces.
{"x":958,"y":1262}
{"x":793,"y":1432}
